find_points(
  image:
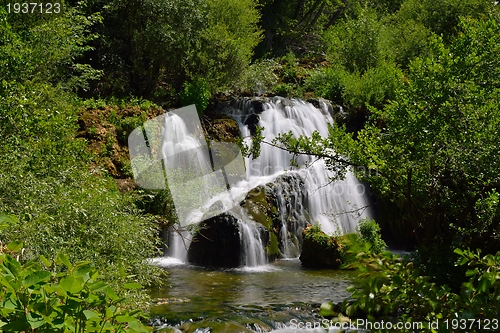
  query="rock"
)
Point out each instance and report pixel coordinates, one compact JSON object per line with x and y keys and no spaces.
{"x":125,"y":185}
{"x":281,"y":207}
{"x":257,"y":106}
{"x":320,"y":250}
{"x":252,"y":121}
{"x":217,"y":243}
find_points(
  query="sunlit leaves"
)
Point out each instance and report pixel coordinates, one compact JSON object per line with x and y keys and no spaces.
{"x":33,"y":298}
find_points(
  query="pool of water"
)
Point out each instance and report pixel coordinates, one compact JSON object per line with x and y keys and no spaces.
{"x":280,"y":296}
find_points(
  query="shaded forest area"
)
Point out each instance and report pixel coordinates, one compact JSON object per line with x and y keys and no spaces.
{"x":419,"y":81}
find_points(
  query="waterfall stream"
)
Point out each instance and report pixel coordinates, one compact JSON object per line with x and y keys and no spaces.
{"x":336,"y":206}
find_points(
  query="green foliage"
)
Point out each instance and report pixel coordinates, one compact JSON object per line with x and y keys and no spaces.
{"x":299,"y":23}
{"x":35,"y":297}
{"x":432,"y":150}
{"x":320,"y":249}
{"x":440,"y":17}
{"x":328,"y":83}
{"x":397,"y":290}
{"x":355,"y":43}
{"x":196,"y":92}
{"x":154,"y":45}
{"x":44,"y":179}
{"x":369,"y":231}
{"x":44,"y":48}
{"x":259,"y":77}
{"x":354,"y":90}
{"x":81,"y":216}
{"x":227,"y":44}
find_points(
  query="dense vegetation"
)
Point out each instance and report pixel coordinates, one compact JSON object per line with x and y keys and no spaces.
{"x":419,"y":79}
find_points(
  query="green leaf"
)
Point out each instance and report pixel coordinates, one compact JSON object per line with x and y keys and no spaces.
{"x":64,"y":259}
{"x":132,"y":285}
{"x":7,"y":220}
{"x":125,"y":319}
{"x":398,"y":281}
{"x":36,"y":277}
{"x":326,"y":309}
{"x":15,"y":246}
{"x":470,"y":272}
{"x":72,"y":284}
{"x":111,"y":294}
{"x":138,"y":326}
{"x":91,"y":315}
{"x":45,"y":261}
{"x":484,"y":284}
{"x":98,"y":286}
{"x":12,"y":266}
{"x":34,"y":320}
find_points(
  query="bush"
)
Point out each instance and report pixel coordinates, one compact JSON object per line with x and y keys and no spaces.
{"x":46,"y":179}
{"x":397,"y":291}
{"x":34,"y":297}
{"x":369,"y":231}
{"x":320,"y":249}
{"x":196,"y":92}
{"x":82,"y":217}
{"x":374,"y":87}
{"x":258,"y":78}
{"x":328,"y":83}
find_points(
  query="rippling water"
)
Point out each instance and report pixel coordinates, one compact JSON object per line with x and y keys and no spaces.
{"x":274,"y":297}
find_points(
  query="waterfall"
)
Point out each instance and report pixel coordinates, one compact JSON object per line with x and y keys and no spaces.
{"x":329,"y":203}
{"x":253,"y":253}
{"x":309,"y":195}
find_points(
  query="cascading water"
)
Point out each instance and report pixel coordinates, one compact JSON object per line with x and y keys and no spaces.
{"x":327,"y":203}
{"x":253,"y":253}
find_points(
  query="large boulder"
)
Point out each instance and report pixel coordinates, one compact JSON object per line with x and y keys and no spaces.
{"x":281,"y":207}
{"x":217,"y":243}
{"x":320,"y":250}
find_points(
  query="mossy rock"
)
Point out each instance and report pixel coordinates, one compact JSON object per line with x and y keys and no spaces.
{"x":258,"y":208}
{"x":320,"y":250}
{"x":217,"y":243}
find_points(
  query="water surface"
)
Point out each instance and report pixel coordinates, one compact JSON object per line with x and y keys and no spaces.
{"x":250,"y":299}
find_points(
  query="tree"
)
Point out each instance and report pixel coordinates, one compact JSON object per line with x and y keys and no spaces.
{"x":435,"y":147}
{"x":150,"y":48}
{"x":299,"y":23}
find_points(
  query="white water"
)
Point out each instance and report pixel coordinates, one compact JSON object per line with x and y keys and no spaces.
{"x":253,"y":253}
{"x":325,"y":198}
{"x":337,"y":207}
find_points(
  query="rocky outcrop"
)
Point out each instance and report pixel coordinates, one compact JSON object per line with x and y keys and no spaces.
{"x":217,"y":243}
{"x":279,"y":207}
{"x":320,"y":250}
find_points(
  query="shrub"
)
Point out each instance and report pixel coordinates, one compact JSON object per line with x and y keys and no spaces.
{"x":397,"y":291}
{"x":34,"y":297}
{"x":369,"y":231}
{"x":320,"y":249}
{"x":258,"y":78}
{"x":196,"y":92}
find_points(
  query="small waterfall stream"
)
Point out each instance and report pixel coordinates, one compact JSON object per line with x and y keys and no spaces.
{"x":327,"y":203}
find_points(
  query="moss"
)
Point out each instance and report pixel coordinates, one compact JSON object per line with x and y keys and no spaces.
{"x":258,"y":208}
{"x":106,"y":129}
{"x":320,"y":250}
{"x":272,"y":248}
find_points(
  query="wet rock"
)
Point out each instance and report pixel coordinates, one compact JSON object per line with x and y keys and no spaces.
{"x":217,"y":243}
{"x":281,"y":207}
{"x":320,"y":250}
{"x":252,"y":121}
{"x":257,"y":106}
